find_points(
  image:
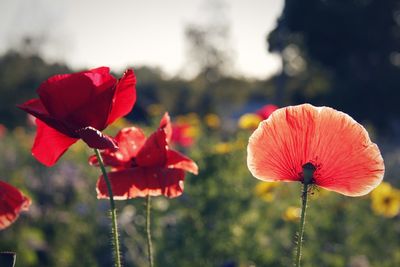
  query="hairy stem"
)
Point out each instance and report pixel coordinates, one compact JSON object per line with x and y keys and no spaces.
{"x":113,"y":211}
{"x":308,"y":174}
{"x":301,"y":226}
{"x":148,"y":231}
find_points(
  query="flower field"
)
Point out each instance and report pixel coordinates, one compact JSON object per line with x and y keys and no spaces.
{"x":225,"y":217}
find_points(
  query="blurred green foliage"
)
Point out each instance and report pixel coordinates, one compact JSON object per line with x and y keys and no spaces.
{"x":219,"y":220}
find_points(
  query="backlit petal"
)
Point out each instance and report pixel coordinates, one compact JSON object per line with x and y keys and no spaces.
{"x":124,"y":97}
{"x":12,"y":201}
{"x":165,"y":124}
{"x":50,"y":144}
{"x":177,"y":160}
{"x":346,"y":160}
{"x":130,"y":141}
{"x":80,"y":99}
{"x":154,"y":151}
{"x":140,"y":182}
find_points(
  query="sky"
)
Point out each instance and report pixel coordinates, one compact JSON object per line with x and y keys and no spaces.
{"x":121,"y":33}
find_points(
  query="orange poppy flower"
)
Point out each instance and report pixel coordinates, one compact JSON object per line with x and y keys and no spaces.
{"x":345,"y":159}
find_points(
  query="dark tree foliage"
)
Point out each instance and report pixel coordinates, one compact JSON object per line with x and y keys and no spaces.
{"x":354,"y":46}
{"x":20,"y":75}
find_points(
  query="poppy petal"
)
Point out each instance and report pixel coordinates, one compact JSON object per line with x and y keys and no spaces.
{"x":346,"y":160}
{"x":140,"y":182}
{"x":124,"y":96}
{"x":109,"y":159}
{"x":96,"y":139}
{"x":154,"y":151}
{"x":165,"y":124}
{"x":130,"y":141}
{"x":177,"y":160}
{"x":81,"y":99}
{"x":35,"y":107}
{"x":12,"y":201}
{"x":50,"y":144}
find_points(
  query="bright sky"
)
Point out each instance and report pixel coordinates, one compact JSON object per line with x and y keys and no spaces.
{"x":89,"y":33}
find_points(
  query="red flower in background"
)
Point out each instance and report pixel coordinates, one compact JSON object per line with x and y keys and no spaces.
{"x":266,"y":111}
{"x":3,"y":130}
{"x":345,"y":159}
{"x":144,"y":166}
{"x":182,"y":134}
{"x":78,"y":106}
{"x":12,"y":202}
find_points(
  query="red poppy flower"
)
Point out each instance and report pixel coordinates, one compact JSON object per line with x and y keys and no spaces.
{"x":12,"y":202}
{"x":345,"y":159}
{"x":144,"y":166}
{"x":266,"y":111}
{"x":182,"y":134}
{"x":78,"y":106}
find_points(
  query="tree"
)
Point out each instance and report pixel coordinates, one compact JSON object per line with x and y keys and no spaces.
{"x":352,"y":47}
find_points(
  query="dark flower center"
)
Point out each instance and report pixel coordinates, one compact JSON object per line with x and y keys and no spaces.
{"x":308,"y":173}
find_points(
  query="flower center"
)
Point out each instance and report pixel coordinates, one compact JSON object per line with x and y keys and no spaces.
{"x":387,"y":200}
{"x":308,"y":173}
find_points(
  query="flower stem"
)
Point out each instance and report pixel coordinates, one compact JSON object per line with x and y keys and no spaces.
{"x":308,"y":173}
{"x":301,"y":226}
{"x":113,"y":211}
{"x":148,"y":231}
{"x":308,"y":178}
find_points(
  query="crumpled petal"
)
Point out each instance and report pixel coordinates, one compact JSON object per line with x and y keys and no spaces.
{"x":124,"y":97}
{"x":12,"y":202}
{"x":177,"y":160}
{"x":154,"y":151}
{"x":346,"y":160}
{"x":96,"y":139}
{"x":50,"y":144}
{"x":140,"y":182}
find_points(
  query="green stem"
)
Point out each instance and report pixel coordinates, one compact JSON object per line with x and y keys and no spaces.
{"x":113,"y":211}
{"x":308,"y":173}
{"x":148,"y":231}
{"x":301,"y":226}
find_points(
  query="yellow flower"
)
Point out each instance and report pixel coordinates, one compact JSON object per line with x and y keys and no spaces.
{"x":192,"y":131}
{"x":223,"y":148}
{"x":190,"y":118}
{"x":292,"y":214}
{"x":385,"y":200}
{"x":212,"y":120}
{"x":249,"y":121}
{"x":265,"y":190}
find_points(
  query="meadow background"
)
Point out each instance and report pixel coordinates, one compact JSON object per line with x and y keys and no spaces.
{"x":342,"y":54}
